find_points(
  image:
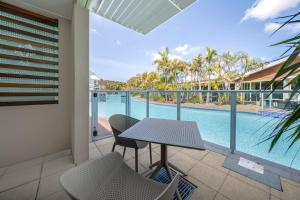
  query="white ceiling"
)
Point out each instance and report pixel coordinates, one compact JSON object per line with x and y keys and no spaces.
{"x":62,"y":8}
{"x":140,"y":15}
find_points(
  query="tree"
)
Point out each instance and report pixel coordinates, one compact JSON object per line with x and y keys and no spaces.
{"x":152,"y":80}
{"x":164,"y":63}
{"x":209,"y":61}
{"x":246,"y":64}
{"x":228,"y":60}
{"x":198,"y":68}
{"x":289,"y":126}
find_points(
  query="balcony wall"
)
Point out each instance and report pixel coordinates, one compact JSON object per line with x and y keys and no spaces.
{"x":31,"y":131}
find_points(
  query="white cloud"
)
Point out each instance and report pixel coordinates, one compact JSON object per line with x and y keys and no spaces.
{"x":119,"y":43}
{"x":183,"y":49}
{"x":187,"y":49}
{"x":271,"y":27}
{"x":156,"y":56}
{"x":94,"y":31}
{"x":266,"y":9}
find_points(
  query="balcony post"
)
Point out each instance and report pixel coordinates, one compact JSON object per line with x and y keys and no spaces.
{"x":233,"y":121}
{"x":95,"y":128}
{"x":178,"y":100}
{"x":147,"y":104}
{"x":128,"y":103}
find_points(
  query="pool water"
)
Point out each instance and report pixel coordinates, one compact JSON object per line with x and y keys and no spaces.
{"x":214,"y":126}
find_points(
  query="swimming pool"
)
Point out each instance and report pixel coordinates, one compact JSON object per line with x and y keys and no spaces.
{"x":214,"y":126}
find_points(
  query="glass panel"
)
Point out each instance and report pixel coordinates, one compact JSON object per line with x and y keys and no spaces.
{"x":27,"y":55}
{"x":27,"y":81}
{"x":255,"y":123}
{"x":163,"y":105}
{"x":138,"y":105}
{"x":33,"y":39}
{"x":111,"y":103}
{"x":24,"y":72}
{"x":28,"y":46}
{"x":212,"y":116}
{"x":25,"y":28}
{"x":5,"y":14}
{"x":27,"y":63}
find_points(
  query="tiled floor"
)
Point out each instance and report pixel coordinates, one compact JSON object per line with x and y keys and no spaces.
{"x":39,"y":178}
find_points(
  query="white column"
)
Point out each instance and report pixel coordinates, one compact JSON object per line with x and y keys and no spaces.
{"x":80,"y":37}
{"x":250,"y":92}
{"x":270,"y":98}
{"x":286,"y":96}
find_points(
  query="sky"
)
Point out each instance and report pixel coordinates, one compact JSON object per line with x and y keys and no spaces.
{"x":118,"y":53}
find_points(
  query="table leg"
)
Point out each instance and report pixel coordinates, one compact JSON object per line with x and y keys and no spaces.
{"x":163,"y":163}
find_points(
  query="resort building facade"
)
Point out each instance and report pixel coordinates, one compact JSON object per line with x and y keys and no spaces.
{"x":259,"y":80}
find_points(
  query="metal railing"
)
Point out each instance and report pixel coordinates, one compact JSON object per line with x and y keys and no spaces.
{"x":233,"y":104}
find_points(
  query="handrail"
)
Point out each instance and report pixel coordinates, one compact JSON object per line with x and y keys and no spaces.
{"x":212,"y":91}
{"x":233,"y":104}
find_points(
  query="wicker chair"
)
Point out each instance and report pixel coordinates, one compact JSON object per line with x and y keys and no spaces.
{"x":109,"y":178}
{"x":120,"y":123}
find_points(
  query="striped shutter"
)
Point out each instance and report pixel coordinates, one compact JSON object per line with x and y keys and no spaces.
{"x":28,"y":57}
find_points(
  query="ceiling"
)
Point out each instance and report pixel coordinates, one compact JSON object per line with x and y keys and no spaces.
{"x":140,"y":15}
{"x":62,"y":8}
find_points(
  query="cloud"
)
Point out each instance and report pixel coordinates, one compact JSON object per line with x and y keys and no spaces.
{"x":156,"y":56}
{"x":119,"y":43}
{"x":266,"y":9}
{"x":271,"y":27}
{"x":182,"y":49}
{"x":94,"y":31}
{"x":187,"y":49}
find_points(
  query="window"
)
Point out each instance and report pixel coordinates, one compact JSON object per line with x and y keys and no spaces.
{"x":28,"y":57}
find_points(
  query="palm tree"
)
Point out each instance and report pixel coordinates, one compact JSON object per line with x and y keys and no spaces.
{"x":289,"y":127}
{"x":152,"y":80}
{"x":209,"y":60}
{"x":163,"y":63}
{"x":198,"y":68}
{"x":247,"y":63}
{"x":228,"y":61}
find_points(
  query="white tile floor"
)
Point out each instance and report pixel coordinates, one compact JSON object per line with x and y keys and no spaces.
{"x":35,"y":179}
{"x":38,"y":179}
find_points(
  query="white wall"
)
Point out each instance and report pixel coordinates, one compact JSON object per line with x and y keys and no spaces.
{"x":30,"y":131}
{"x":80,"y":121}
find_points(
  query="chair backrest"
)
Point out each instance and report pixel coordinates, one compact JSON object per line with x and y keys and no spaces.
{"x":170,"y":190}
{"x":120,"y":123}
{"x":82,"y":181}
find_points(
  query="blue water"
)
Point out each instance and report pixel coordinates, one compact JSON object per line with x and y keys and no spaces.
{"x":214,"y":126}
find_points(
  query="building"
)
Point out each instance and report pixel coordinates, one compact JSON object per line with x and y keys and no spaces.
{"x":94,"y":81}
{"x":258,"y":80}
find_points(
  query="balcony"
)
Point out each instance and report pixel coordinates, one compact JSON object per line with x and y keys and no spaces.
{"x":39,"y":178}
{"x":46,"y":132}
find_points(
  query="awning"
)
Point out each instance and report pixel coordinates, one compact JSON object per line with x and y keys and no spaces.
{"x":139,"y":15}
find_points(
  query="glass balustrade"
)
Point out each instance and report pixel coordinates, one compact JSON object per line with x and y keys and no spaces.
{"x":240,"y":121}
